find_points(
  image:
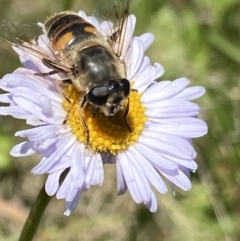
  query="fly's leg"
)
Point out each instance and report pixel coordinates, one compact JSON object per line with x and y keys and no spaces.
{"x":47,"y":73}
{"x":61,"y":85}
{"x":82,"y":105}
{"x":126,"y":115}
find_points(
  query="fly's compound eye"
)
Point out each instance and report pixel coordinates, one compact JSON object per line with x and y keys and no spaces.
{"x":113,"y":85}
{"x":120,"y":84}
{"x":125,"y":84}
{"x":98,"y":95}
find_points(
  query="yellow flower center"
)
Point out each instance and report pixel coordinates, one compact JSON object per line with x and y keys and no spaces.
{"x":106,"y":134}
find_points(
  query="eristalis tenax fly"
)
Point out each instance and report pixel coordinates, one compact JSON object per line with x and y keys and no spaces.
{"x":89,"y":59}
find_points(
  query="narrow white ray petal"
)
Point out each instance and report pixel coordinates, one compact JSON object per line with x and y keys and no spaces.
{"x":156,"y":92}
{"x":188,"y":127}
{"x":42,"y":147}
{"x":179,"y":143}
{"x":70,"y":206}
{"x":62,"y":191}
{"x":171,"y":109}
{"x":89,"y":163}
{"x":191,"y":93}
{"x":152,"y":204}
{"x":192,"y":165}
{"x":146,"y":77}
{"x":179,"y":179}
{"x":32,"y":108}
{"x":62,"y":147}
{"x":133,"y":61}
{"x":71,"y":192}
{"x":28,"y":80}
{"x":14,"y":111}
{"x":155,"y":157}
{"x":77,"y":166}
{"x":61,"y":164}
{"x":159,"y":146}
{"x":98,"y":171}
{"x":6,"y":98}
{"x":121,"y":183}
{"x":140,"y":179}
{"x":52,"y":183}
{"x":145,"y":63}
{"x":146,"y":39}
{"x":25,"y":148}
{"x":129,"y":177}
{"x":38,"y":133}
{"x":128,"y":35}
{"x":151,"y":174}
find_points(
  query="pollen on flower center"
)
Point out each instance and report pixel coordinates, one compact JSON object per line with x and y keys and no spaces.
{"x":106,"y":134}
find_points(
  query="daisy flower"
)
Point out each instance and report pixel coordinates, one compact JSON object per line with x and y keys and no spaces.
{"x":161,"y":115}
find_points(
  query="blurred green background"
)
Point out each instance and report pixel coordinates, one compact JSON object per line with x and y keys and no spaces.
{"x":196,"y":39}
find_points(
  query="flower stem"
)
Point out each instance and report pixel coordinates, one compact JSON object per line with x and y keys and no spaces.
{"x":35,"y":216}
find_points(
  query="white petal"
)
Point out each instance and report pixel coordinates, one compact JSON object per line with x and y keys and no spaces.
{"x":89,"y":164}
{"x":146,"y":77}
{"x":191,"y":93}
{"x":138,"y":185}
{"x":38,"y":133}
{"x":70,"y":206}
{"x":121,"y":183}
{"x":52,"y":183}
{"x":166,"y":147}
{"x":171,"y":108}
{"x":128,"y":34}
{"x":98,"y":172}
{"x":77,"y":166}
{"x":71,"y":192}
{"x":152,"y":204}
{"x":62,"y":191}
{"x":155,"y":156}
{"x":133,"y":60}
{"x":30,"y":107}
{"x":14,"y":111}
{"x":46,"y":104}
{"x":25,"y":148}
{"x":146,"y":39}
{"x":129,"y":177}
{"x":62,"y":147}
{"x":179,"y":179}
{"x":140,"y":179}
{"x":181,"y":145}
{"x":6,"y":98}
{"x":157,"y":93}
{"x":187,"y":127}
{"x":148,"y":170}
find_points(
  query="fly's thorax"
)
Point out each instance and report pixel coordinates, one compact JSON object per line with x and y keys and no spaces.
{"x":95,"y":63}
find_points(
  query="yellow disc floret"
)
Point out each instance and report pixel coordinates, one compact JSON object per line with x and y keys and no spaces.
{"x":106,"y":134}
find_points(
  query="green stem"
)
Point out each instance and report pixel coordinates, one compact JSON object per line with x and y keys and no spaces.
{"x":35,"y":216}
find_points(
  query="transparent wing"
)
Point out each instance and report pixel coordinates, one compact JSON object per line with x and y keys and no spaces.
{"x":15,"y":32}
{"x":30,"y":38}
{"x":114,"y":13}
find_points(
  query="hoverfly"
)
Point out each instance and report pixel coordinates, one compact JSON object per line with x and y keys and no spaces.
{"x":90,"y":59}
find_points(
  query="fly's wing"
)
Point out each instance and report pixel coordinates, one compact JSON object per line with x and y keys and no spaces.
{"x":17,"y":32}
{"x":114,"y":13}
{"x":30,"y":39}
